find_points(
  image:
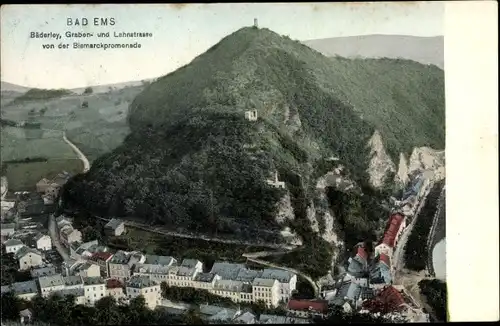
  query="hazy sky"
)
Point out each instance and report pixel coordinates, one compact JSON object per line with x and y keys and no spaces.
{"x":180,"y":32}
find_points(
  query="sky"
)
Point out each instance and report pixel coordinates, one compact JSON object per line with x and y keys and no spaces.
{"x":180,"y":33}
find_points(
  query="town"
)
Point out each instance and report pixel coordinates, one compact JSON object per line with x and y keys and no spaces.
{"x":59,"y":262}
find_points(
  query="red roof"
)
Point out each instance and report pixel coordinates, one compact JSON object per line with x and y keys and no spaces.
{"x":113,"y":284}
{"x":320,"y":306}
{"x":362,"y":252}
{"x":392,"y":230}
{"x":388,"y":300}
{"x":391,"y":297}
{"x":101,"y":256}
{"x":384,"y":258}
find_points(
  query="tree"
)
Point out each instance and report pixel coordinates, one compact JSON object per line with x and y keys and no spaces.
{"x":43,"y":110}
{"x":90,"y":233}
{"x":88,"y":90}
{"x":11,"y":305}
{"x":85,"y":104}
{"x":192,"y":317}
{"x":107,"y":311}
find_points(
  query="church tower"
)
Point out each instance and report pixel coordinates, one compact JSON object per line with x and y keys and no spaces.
{"x":255,"y":23}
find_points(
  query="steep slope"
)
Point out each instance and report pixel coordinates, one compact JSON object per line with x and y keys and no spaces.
{"x":193,"y":161}
{"x":426,"y":50}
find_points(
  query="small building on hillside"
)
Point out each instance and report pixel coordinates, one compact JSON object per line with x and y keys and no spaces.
{"x":115,"y":227}
{"x":276,"y":183}
{"x":251,"y":115}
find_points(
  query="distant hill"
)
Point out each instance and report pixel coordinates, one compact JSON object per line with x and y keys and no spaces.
{"x":9,"y":87}
{"x":426,"y":50}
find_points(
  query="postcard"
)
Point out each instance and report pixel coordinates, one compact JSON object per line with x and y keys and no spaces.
{"x":226,"y":163}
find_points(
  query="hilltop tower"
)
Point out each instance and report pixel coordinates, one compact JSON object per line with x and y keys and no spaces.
{"x":255,"y":23}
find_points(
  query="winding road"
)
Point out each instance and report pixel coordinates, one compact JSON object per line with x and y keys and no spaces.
{"x":81,"y":156}
{"x":52,"y":224}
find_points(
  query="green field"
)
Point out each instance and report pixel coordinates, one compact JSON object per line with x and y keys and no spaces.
{"x":24,"y":176}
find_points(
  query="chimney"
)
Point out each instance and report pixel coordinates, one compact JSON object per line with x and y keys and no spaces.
{"x":255,"y":23}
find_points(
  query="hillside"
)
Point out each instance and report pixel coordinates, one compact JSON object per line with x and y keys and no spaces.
{"x":192,"y":161}
{"x":425,"y":50}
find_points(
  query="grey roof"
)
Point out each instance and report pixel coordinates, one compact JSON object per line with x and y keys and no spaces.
{"x":72,"y":280}
{"x":113,"y":224}
{"x":25,"y":250}
{"x":186,"y":271}
{"x":38,"y":236}
{"x":43,"y":271}
{"x":339,"y":299}
{"x":93,"y":280}
{"x":6,"y":288}
{"x":227,"y":271}
{"x":26,"y":313}
{"x":278,"y":274}
{"x":49,"y":281}
{"x":152,"y":269}
{"x":353,"y":292}
{"x":204,"y":277}
{"x":228,"y":285}
{"x":13,"y":242}
{"x":381,"y":274}
{"x":120,"y":257}
{"x":207,"y":309}
{"x":355,"y":268}
{"x":159,"y":260}
{"x":139,"y":282}
{"x":190,"y":263}
{"x":8,"y":226}
{"x":171,"y":310}
{"x":215,"y":313}
{"x":248,"y":275}
{"x":272,"y":319}
{"x":77,"y":292}
{"x":263,"y":282}
{"x":246,"y":318}
{"x":25,"y":287}
{"x":367,"y":293}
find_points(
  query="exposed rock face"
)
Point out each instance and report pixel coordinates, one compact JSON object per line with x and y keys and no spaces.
{"x":285,"y":209}
{"x":311,"y":216}
{"x":402,"y":174}
{"x":426,"y":158}
{"x":292,"y":119}
{"x":380,"y":161}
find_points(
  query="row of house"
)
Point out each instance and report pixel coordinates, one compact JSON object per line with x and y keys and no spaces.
{"x":88,"y":290}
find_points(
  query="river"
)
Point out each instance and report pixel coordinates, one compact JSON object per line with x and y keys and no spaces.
{"x":439,"y":259}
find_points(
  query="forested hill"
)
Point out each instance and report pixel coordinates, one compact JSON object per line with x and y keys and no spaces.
{"x":192,"y":160}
